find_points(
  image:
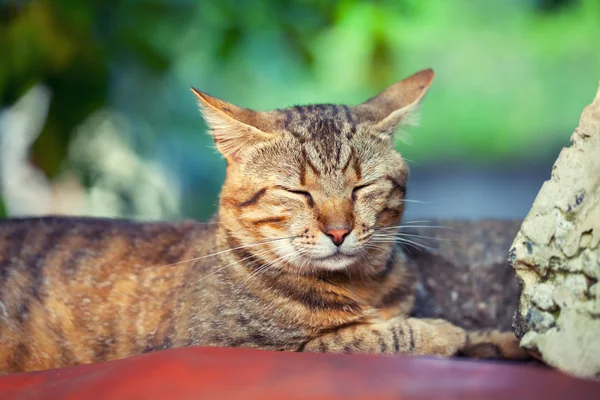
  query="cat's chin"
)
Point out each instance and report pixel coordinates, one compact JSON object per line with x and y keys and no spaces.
{"x":334,"y":262}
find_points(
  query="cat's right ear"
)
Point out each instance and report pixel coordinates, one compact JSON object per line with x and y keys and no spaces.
{"x":234,"y":129}
{"x":396,"y":104}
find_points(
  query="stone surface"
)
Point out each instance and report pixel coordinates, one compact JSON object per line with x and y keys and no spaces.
{"x":556,"y":255}
{"x":464,"y":276}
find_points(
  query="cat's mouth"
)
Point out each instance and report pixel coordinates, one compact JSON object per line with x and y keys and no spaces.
{"x":337,"y":260}
{"x":329,"y":259}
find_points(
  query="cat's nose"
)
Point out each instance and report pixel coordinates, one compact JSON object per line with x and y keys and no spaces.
{"x":337,"y":235}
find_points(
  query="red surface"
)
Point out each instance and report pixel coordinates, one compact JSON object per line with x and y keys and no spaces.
{"x":195,"y":373}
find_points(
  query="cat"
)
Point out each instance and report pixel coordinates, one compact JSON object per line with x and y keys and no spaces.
{"x":301,"y":255}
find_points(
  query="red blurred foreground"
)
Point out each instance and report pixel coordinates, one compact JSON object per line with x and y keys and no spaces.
{"x":195,"y":373}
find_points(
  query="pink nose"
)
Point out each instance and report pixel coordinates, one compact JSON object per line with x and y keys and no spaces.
{"x":337,"y":235}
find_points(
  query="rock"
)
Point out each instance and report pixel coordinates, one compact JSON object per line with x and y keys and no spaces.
{"x":463,"y":275}
{"x":556,"y":255}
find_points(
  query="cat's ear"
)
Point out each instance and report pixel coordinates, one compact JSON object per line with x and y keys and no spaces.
{"x":396,"y":104}
{"x":234,"y":129}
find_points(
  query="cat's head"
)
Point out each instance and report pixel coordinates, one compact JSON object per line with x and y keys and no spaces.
{"x":314,"y":187}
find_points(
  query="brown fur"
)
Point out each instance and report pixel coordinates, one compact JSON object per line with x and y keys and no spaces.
{"x":262,"y":274}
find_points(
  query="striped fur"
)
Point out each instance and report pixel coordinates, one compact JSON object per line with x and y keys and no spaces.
{"x":262,"y":274}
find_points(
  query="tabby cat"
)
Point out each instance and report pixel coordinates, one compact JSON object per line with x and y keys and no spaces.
{"x":299,"y":256}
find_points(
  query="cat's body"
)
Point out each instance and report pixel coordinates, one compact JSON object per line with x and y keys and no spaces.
{"x":86,"y":290}
{"x":301,"y":256}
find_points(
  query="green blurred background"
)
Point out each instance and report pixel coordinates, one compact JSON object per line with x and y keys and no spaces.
{"x":96,"y":116}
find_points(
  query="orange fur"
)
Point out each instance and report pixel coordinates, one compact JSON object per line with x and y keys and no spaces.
{"x":264,"y":273}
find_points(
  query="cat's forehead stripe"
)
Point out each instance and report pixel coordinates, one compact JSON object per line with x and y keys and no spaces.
{"x":304,"y":121}
{"x":323,"y":131}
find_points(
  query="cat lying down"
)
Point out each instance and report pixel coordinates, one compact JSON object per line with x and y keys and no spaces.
{"x":303,"y":254}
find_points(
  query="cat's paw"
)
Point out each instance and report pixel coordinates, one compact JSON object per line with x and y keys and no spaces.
{"x":439,"y":337}
{"x":493,"y":344}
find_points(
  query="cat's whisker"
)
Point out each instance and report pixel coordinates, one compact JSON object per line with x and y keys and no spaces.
{"x":404,"y":247}
{"x":417,"y":201}
{"x":366,"y":253}
{"x":303,"y":260}
{"x":383,"y":249}
{"x":267,"y":264}
{"x":241,"y":284}
{"x":415,"y":226}
{"x":411,"y":161}
{"x":379,"y":247}
{"x":403,"y":240}
{"x":415,"y":245}
{"x":305,"y":257}
{"x":220,"y":252}
{"x":277,"y":264}
{"x":259,"y":254}
{"x":401,"y":234}
{"x":263,"y":269}
{"x":374,"y":246}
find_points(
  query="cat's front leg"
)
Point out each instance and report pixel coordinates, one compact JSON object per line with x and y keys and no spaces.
{"x":393,"y":336}
{"x":420,"y":337}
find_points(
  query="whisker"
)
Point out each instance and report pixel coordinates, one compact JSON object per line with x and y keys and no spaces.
{"x":263,"y":269}
{"x":219,"y":252}
{"x":411,"y":161}
{"x":406,"y":248}
{"x":301,"y":252}
{"x":277,"y":264}
{"x":416,"y":244}
{"x":267,"y":264}
{"x":416,"y":226}
{"x":370,"y":244}
{"x":366,"y":253}
{"x":417,"y":201}
{"x":402,"y":240}
{"x":259,"y":254}
{"x":402,"y":234}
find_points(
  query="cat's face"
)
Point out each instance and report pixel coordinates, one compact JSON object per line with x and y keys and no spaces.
{"x":309,"y":187}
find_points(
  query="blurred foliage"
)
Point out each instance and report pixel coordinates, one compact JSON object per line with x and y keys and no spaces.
{"x":70,"y":47}
{"x":2,"y":209}
{"x":512,"y":76}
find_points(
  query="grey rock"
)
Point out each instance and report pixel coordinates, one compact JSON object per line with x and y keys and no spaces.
{"x":463,"y":274}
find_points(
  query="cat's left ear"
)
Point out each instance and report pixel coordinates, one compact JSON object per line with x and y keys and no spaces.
{"x":394,"y":106}
{"x":234,"y":129}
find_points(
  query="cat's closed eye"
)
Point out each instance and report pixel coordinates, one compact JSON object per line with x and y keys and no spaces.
{"x":358,"y":189}
{"x":301,"y":193}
